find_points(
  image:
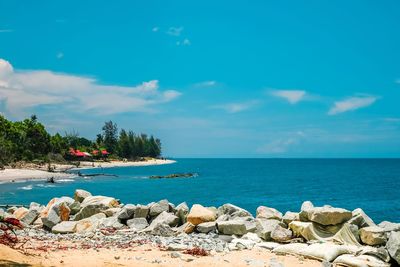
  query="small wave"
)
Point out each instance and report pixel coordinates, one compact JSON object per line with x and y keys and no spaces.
{"x":28,"y":187}
{"x":64,"y":180}
{"x":45,"y":185}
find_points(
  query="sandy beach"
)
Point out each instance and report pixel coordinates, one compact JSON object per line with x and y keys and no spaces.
{"x":40,"y":173}
{"x":147,"y":255}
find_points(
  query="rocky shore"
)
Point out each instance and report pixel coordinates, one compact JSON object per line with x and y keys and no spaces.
{"x":334,"y":236}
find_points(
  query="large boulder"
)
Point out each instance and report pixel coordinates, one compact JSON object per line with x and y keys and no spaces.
{"x":92,"y":205}
{"x":233,"y":227}
{"x":393,"y":246}
{"x":110,"y":222}
{"x":265,"y":227}
{"x":373,"y":235}
{"x":141,"y":211}
{"x":182,"y":210}
{"x":137,"y":224}
{"x":89,"y":224}
{"x":75,"y":207}
{"x":206,"y":227}
{"x":157,"y":208}
{"x":20,"y":212}
{"x":233,"y":211}
{"x":361,"y":219}
{"x":389,"y":226}
{"x":328,"y":215}
{"x":52,"y":218}
{"x":81,"y":194}
{"x":186,"y":228}
{"x":281,"y":234}
{"x":268,"y":213}
{"x":290,"y":217}
{"x":30,"y":216}
{"x":127,"y":212}
{"x":65,"y":227}
{"x":199,"y":214}
{"x":305,"y":207}
{"x":160,"y":229}
{"x":165,"y":218}
{"x":111,"y":212}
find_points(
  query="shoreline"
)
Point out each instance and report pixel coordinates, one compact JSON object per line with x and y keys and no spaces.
{"x":105,"y":232}
{"x":10,"y":175}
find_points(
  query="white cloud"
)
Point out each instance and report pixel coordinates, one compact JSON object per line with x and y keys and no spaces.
{"x":352,"y":103}
{"x":175,"y":31}
{"x":292,"y":96}
{"x":236,"y":107}
{"x":282,"y":145}
{"x":206,"y":84}
{"x":185,"y":42}
{"x":155,"y":29}
{"x":28,"y":89}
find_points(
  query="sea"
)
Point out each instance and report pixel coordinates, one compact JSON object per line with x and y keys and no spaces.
{"x":370,"y":184}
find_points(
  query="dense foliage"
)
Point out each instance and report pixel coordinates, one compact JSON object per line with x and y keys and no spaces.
{"x":28,"y":140}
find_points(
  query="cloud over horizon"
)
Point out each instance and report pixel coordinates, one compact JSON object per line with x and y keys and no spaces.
{"x":22,"y":90}
{"x":292,"y":96}
{"x":352,"y":103}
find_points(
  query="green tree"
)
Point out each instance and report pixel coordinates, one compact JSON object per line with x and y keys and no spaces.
{"x":124,"y":149}
{"x":110,"y":135}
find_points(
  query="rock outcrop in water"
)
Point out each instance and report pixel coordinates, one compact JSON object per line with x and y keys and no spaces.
{"x":325,"y":233}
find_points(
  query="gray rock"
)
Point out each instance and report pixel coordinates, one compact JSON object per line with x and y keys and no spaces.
{"x":81,"y":194}
{"x":389,"y":226}
{"x":268,"y":213}
{"x":137,"y":223}
{"x":12,"y":209}
{"x":393,"y":246}
{"x":265,"y":228}
{"x":361,"y":219}
{"x":127,"y":212}
{"x":373,"y":235}
{"x":233,"y":211}
{"x":306,"y":206}
{"x":52,"y":219}
{"x":223,"y":218}
{"x":225,"y":238}
{"x":112,"y":212}
{"x":31,"y":216}
{"x":157,"y":208}
{"x":141,"y":211}
{"x":233,"y":227}
{"x":167,"y":218}
{"x":182,"y":210}
{"x":281,"y":234}
{"x":161,"y":230}
{"x":35,"y":205}
{"x":240,"y":243}
{"x":206,"y":227}
{"x":290,"y":217}
{"x":75,"y":207}
{"x":176,"y":254}
{"x":328,"y":215}
{"x":110,"y":222}
{"x":252,"y":236}
{"x":176,"y":247}
{"x":65,"y":227}
{"x":92,"y":205}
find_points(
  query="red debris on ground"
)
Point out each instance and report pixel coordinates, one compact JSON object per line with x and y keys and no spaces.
{"x":196,"y":251}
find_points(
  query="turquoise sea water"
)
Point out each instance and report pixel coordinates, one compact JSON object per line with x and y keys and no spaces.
{"x":372,"y":184}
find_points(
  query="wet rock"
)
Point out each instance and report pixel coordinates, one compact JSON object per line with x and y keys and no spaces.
{"x":157,"y":208}
{"x":137,"y":223}
{"x":265,"y":228}
{"x":141,"y":211}
{"x":65,"y":227}
{"x":81,"y":194}
{"x":199,"y":214}
{"x":182,"y":210}
{"x":373,"y":235}
{"x":290,"y":217}
{"x":268,"y":213}
{"x":393,"y":246}
{"x":127,"y":212}
{"x":233,"y":211}
{"x":233,"y":227}
{"x":206,"y":227}
{"x":281,"y":234}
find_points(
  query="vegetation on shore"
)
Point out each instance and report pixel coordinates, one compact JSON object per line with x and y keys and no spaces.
{"x":28,"y":140}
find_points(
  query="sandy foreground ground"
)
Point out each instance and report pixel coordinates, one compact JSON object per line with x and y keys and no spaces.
{"x":13,"y":175}
{"x":146,"y":255}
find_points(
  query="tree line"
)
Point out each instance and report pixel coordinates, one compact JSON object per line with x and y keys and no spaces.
{"x":28,"y":140}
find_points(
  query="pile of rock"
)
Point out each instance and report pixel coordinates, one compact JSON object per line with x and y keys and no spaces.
{"x":325,"y":233}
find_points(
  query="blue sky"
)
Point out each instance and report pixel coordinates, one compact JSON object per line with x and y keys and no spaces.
{"x":211,"y":79}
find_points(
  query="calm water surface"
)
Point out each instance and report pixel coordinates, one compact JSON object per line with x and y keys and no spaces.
{"x":372,"y":184}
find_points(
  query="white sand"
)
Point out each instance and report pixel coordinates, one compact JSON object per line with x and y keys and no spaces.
{"x":14,"y":175}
